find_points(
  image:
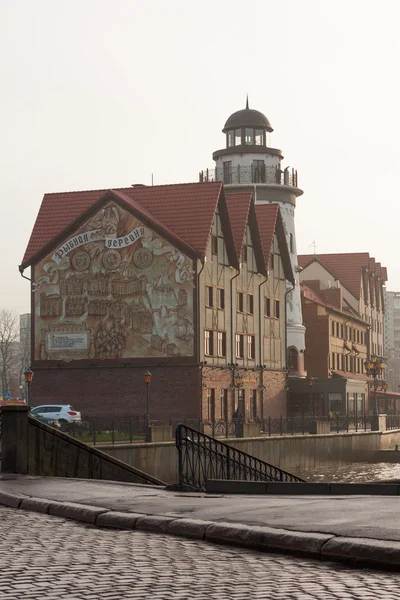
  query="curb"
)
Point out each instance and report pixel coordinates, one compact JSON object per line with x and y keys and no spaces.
{"x":360,"y":551}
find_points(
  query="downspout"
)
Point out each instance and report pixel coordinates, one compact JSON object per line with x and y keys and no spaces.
{"x":203,"y":262}
{"x":260,"y":312}
{"x":21,"y":270}
{"x":231,"y":290}
{"x":260,"y":319}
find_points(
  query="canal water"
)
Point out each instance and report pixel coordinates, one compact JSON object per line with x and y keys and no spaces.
{"x":353,"y":473}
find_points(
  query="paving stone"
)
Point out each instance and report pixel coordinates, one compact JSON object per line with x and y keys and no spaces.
{"x":43,"y":557}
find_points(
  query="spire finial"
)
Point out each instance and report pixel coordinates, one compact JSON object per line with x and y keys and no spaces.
{"x":247,"y":101}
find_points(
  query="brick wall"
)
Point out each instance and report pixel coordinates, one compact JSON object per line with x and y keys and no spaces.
{"x":317,"y":342}
{"x":174,"y":391}
{"x":271,"y":401}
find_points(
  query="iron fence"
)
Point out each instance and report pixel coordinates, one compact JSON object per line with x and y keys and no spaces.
{"x":250,"y":174}
{"x":201,"y":457}
{"x":114,"y":430}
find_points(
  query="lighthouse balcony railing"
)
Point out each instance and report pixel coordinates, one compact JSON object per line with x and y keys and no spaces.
{"x":250,"y":175}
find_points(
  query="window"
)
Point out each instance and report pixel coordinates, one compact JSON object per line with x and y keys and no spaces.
{"x":239,"y":345}
{"x":250,"y":304}
{"x":271,"y":262}
{"x":253,"y":405}
{"x":227,"y":168}
{"x":209,"y":296}
{"x":251,"y":350}
{"x":267,"y":307}
{"x":231,"y":139}
{"x":358,"y":336}
{"x":209,"y":342}
{"x":244,"y":254}
{"x":342,"y":331}
{"x":259,"y":137}
{"x":240,"y":301}
{"x":333,"y":361}
{"x":221,"y":343}
{"x":238,"y":137}
{"x":249,"y":137}
{"x":224,"y":404}
{"x":214,"y":244}
{"x":291,"y":243}
{"x":258,"y":171}
{"x":337,"y":329}
{"x":211,"y":404}
{"x":292,"y":359}
{"x":221,"y":298}
{"x":333,"y":327}
{"x":277,"y":309}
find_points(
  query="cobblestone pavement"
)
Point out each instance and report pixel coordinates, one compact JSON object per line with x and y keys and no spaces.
{"x":47,"y":558}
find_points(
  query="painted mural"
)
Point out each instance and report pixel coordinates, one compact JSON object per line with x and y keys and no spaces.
{"x":114,"y":290}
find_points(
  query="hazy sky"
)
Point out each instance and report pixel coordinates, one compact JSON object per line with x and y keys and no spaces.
{"x":103,"y":93}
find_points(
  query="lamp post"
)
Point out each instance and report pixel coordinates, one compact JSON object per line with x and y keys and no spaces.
{"x":239,"y":417}
{"x":374,"y":367}
{"x":310,"y":381}
{"x":238,"y":384}
{"x":28,"y":374}
{"x":147,"y":380}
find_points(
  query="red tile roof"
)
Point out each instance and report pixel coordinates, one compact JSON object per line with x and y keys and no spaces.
{"x":186,"y":210}
{"x":270,"y":221}
{"x":267,"y":215}
{"x":310,"y":294}
{"x":238,"y":209}
{"x":348,"y":267}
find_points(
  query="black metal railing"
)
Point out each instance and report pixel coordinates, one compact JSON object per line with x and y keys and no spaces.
{"x":250,"y":174}
{"x":392,"y":421}
{"x":202,"y":457}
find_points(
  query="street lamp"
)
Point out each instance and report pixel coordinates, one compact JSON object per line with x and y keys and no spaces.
{"x":28,"y":374}
{"x":374,"y":367}
{"x":147,"y":380}
{"x":310,"y":381}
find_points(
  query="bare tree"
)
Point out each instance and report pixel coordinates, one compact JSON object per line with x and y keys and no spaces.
{"x":8,"y":347}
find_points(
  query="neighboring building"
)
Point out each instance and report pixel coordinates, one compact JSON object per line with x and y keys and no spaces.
{"x":211,"y":274}
{"x":336,"y":348}
{"x":249,"y":164}
{"x":392,"y":339}
{"x":362,"y":280}
{"x":343,"y":309}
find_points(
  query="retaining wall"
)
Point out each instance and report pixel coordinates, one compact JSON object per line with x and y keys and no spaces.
{"x":292,"y":453}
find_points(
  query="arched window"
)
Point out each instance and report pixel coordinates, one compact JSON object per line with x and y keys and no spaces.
{"x":291,"y":243}
{"x":292,"y":358}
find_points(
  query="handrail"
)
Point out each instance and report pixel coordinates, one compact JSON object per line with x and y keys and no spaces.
{"x":202,"y":457}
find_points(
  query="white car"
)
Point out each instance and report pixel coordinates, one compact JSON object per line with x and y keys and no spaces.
{"x":60,"y":412}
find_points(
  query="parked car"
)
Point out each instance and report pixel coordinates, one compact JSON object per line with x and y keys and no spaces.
{"x":52,"y":422}
{"x":64,"y":413}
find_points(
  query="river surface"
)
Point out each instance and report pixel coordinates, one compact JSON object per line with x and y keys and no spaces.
{"x":353,"y":472}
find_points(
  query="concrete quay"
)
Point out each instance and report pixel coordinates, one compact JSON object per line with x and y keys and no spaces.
{"x":354,"y":529}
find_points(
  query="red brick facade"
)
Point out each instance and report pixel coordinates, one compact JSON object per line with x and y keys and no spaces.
{"x":114,"y":391}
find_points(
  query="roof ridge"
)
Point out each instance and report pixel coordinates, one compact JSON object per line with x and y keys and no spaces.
{"x":134,"y":187}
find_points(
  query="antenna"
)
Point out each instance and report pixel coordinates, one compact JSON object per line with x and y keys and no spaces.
{"x":314,"y":245}
{"x":152,"y":179}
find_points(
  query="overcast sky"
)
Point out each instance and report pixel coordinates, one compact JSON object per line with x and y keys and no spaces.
{"x":103,"y":93}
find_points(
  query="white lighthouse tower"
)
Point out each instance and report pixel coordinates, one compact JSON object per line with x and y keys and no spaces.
{"x":248,"y":163}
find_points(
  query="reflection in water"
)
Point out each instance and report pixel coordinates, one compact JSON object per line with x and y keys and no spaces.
{"x":353,"y":472}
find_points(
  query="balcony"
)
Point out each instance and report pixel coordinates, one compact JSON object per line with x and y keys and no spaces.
{"x":250,"y":175}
